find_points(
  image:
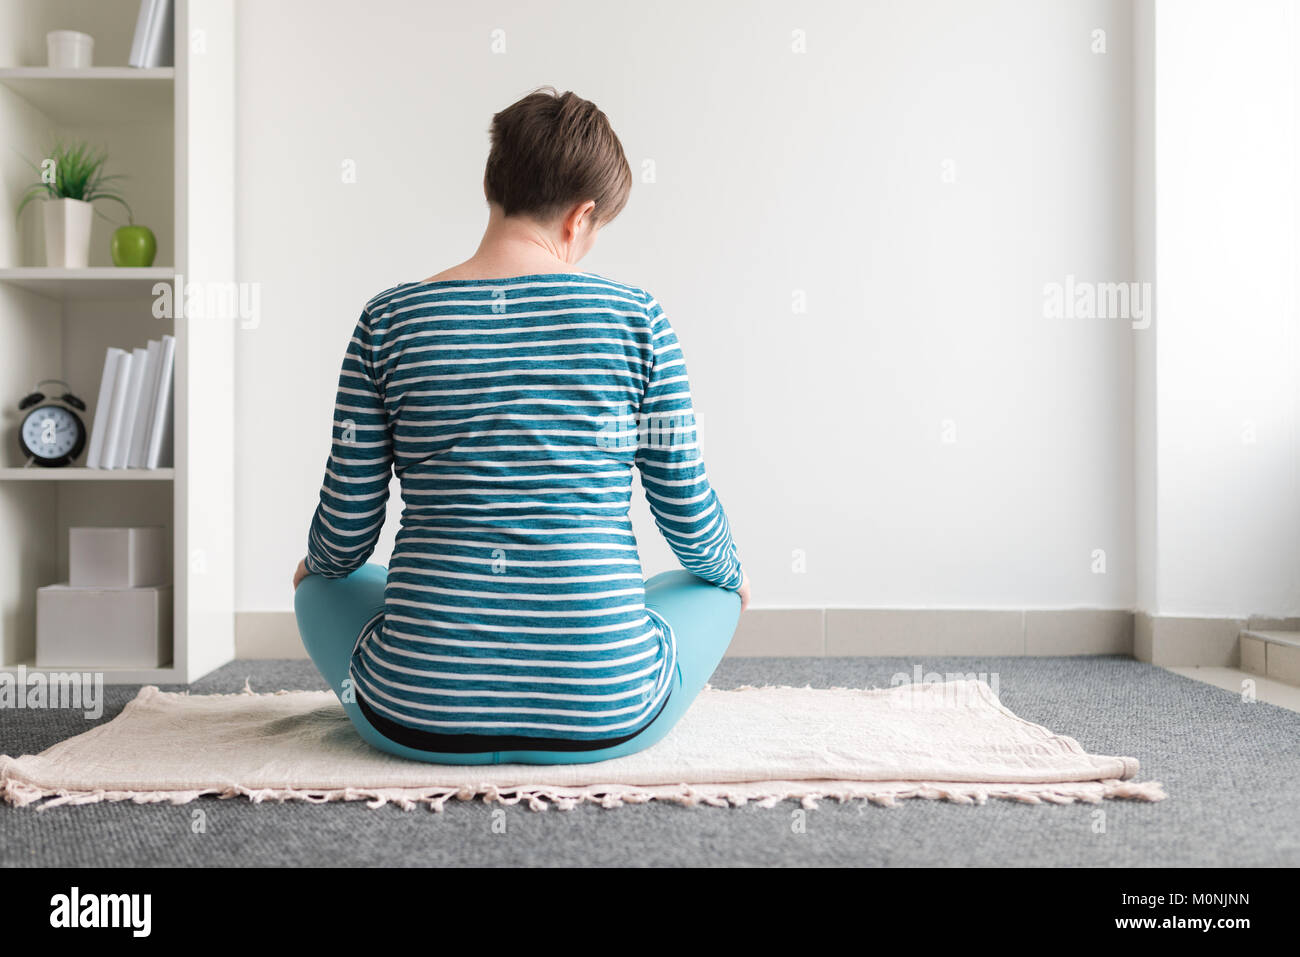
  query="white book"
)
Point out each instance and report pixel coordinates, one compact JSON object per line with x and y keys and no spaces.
{"x":144,"y":407}
{"x":139,"y":357}
{"x":100,"y":426}
{"x":140,"y":42}
{"x":116,"y":412}
{"x":160,"y":430}
{"x":152,"y":44}
{"x":162,"y":51}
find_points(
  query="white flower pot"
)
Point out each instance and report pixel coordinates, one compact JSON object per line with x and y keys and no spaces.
{"x":67,"y":232}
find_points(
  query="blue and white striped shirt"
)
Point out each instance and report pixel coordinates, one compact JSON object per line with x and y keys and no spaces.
{"x":513,"y":411}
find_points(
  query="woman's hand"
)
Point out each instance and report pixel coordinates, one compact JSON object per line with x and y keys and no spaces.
{"x":300,"y":573}
{"x":743,"y":590}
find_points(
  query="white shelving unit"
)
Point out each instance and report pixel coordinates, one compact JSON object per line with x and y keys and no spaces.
{"x":170,"y":131}
{"x":75,"y":474}
{"x":92,"y":96}
{"x":94,"y":282}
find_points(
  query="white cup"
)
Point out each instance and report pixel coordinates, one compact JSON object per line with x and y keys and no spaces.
{"x":69,"y":50}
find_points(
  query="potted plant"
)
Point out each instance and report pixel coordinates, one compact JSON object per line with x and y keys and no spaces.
{"x":72,"y":178}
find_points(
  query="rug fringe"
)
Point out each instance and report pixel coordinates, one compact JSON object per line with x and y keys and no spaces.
{"x":766,"y":794}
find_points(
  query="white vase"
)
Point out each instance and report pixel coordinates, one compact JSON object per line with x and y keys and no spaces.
{"x":67,"y":232}
{"x":69,"y":50}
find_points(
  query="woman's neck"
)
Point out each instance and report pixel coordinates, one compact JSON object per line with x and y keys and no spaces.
{"x":511,"y":246}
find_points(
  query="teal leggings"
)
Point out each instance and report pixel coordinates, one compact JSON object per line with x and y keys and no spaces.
{"x":332,"y":612}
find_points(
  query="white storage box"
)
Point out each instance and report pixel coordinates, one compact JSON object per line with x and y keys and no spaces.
{"x":103,"y":627}
{"x":117,"y":557}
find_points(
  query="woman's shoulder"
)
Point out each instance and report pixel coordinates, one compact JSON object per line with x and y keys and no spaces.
{"x":413,"y":292}
{"x":382,"y":302}
{"x":623,"y":288}
{"x":648,"y":304}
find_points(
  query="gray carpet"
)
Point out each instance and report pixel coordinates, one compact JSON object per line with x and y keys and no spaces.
{"x":1232,"y":771}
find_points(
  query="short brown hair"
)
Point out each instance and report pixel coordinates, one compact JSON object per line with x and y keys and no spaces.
{"x":551,"y":150}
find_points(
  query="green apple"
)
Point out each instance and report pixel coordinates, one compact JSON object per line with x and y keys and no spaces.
{"x":134,"y":246}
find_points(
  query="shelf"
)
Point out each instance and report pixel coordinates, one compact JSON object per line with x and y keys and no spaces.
{"x":77,"y":474}
{"x":94,"y":282}
{"x":167,"y":674}
{"x":100,"y":96}
{"x":173,"y":131}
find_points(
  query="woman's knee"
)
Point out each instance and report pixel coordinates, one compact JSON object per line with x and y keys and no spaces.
{"x":690,"y":601}
{"x":681,"y":583}
{"x":362,"y":592}
{"x":308,"y":596}
{"x":331,"y":613}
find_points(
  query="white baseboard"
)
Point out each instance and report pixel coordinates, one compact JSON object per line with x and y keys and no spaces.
{"x":856,"y":632}
{"x":267,"y":634}
{"x":1169,"y":641}
{"x":889,"y":632}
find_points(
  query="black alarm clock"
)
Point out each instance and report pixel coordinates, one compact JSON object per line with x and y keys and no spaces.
{"x":51,"y":434}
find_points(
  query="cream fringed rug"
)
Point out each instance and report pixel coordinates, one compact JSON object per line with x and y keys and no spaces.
{"x":953,"y":741}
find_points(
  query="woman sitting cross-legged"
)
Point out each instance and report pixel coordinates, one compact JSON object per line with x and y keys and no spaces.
{"x":513,"y":397}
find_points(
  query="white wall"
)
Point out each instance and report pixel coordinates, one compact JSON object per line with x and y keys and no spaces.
{"x":1144,"y":271}
{"x":776,"y":172}
{"x":1224,"y":369}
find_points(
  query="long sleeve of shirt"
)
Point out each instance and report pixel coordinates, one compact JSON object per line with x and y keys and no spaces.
{"x":685,"y":506}
{"x":354,"y":494}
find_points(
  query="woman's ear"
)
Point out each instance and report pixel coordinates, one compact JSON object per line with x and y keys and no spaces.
{"x":580,"y":222}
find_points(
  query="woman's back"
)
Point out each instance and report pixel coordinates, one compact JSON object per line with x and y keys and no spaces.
{"x":513,"y":411}
{"x":514,"y":402}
